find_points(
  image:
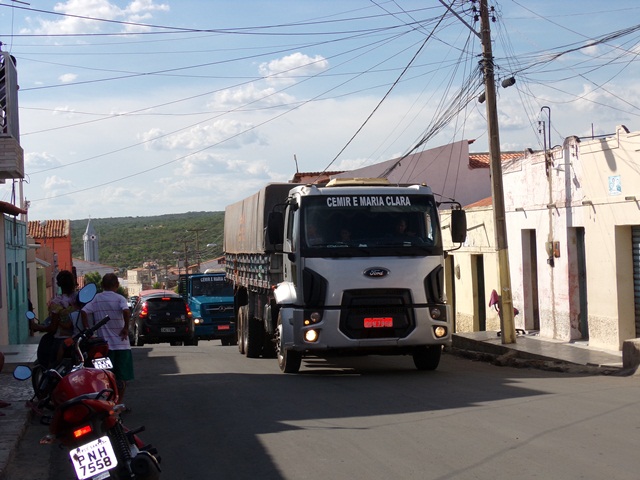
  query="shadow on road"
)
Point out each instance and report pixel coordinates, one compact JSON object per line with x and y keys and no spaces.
{"x":234,"y":423}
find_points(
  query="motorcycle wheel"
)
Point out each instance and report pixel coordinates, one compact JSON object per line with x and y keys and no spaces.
{"x":37,"y":374}
{"x":119,"y":442}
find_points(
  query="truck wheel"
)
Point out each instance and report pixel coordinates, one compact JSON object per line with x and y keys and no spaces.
{"x":253,"y":348}
{"x":427,"y":358}
{"x":289,"y":361}
{"x":268,"y":347}
{"x":242,"y":334}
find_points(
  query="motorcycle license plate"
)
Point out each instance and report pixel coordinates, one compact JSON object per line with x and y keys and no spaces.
{"x":103,"y":363}
{"x":168,"y":330}
{"x":93,"y":458}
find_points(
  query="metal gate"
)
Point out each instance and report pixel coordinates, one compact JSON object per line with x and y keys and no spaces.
{"x":635,"y":238}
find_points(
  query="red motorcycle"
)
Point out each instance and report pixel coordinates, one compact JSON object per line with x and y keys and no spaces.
{"x":95,"y":351}
{"x":86,"y":420}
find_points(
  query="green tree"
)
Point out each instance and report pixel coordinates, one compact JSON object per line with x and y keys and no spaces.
{"x":94,"y":277}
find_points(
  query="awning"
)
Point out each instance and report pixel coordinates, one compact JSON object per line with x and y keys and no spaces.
{"x":11,"y":209}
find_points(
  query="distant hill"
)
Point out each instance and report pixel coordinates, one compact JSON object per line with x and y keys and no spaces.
{"x":128,"y":242}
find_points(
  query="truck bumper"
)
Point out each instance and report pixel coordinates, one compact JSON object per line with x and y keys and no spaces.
{"x":331,"y":337}
{"x":215,"y":331}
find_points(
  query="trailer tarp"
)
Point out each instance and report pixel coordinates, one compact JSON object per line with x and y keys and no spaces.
{"x":245,"y":221}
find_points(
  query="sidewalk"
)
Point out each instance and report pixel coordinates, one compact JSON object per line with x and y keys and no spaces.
{"x":529,"y":350}
{"x":532,"y":350}
{"x":17,"y":415}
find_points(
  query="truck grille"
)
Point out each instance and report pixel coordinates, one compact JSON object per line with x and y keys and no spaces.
{"x":384,"y":313}
{"x":218,"y":311}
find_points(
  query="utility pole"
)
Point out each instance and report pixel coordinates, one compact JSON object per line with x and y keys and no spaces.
{"x":507,"y":324}
{"x":186,"y":261}
{"x":197,"y":230}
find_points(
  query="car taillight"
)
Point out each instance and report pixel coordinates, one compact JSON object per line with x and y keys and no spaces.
{"x":189,"y":314}
{"x":144,"y":311}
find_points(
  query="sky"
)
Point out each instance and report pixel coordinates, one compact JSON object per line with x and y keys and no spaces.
{"x":149,"y":107}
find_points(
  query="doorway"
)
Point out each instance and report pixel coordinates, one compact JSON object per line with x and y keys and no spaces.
{"x":531,"y":305}
{"x":635,"y":239}
{"x":479,"y":289}
{"x":581,"y":260}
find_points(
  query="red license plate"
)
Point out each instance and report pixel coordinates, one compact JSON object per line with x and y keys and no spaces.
{"x":378,"y":322}
{"x":223,"y":327}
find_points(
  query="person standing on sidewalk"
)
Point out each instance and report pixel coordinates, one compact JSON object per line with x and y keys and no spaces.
{"x":116,"y":331}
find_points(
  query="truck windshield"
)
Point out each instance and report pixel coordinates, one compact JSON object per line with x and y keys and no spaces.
{"x":212,"y":286}
{"x":390,"y":224}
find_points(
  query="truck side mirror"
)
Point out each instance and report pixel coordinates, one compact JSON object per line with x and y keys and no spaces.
{"x":458,"y":226}
{"x":275,"y":228}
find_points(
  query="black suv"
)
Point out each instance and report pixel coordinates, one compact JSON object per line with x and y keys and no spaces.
{"x":161,"y":316}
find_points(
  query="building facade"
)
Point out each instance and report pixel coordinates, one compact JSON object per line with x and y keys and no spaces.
{"x":573,"y":233}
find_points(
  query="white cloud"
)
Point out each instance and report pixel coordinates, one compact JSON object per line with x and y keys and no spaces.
{"x":138,"y":10}
{"x":35,"y":161}
{"x":221,"y":133}
{"x":66,"y":111}
{"x":67,"y":77}
{"x":350,"y":164}
{"x":55,"y":184}
{"x":200,"y":164}
{"x":287,"y":69}
{"x":249,"y":97}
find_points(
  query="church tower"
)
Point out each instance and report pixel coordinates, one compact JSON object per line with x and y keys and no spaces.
{"x":90,"y":239}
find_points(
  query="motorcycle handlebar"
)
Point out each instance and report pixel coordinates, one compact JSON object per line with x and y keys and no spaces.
{"x":91,"y":330}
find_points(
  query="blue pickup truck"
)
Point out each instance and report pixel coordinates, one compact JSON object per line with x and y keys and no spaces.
{"x":210,"y":298}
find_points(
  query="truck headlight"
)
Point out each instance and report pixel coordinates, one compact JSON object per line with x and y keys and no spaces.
{"x":440,"y":331}
{"x":436,"y":313}
{"x":314,"y":317}
{"x":197,"y":321}
{"x":311,"y":336}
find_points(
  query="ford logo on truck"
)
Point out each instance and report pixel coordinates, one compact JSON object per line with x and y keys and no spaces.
{"x":377,"y":272}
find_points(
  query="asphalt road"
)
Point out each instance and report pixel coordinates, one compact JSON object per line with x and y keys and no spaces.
{"x":214,"y":414}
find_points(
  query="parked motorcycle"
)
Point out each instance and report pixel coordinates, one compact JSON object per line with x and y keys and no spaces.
{"x":87,"y":420}
{"x":94,"y":349}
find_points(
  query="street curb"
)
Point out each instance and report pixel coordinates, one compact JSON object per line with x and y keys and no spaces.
{"x":504,"y":356}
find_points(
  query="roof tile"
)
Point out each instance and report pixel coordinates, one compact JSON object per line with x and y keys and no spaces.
{"x":49,"y":228}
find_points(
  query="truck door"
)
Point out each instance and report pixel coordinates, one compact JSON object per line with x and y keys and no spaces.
{"x":290,"y":247}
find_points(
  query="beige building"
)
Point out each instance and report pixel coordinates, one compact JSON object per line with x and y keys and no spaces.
{"x":573,"y":227}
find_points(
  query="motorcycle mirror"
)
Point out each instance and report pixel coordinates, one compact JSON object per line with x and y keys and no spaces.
{"x":86,"y":293}
{"x":22,"y":372}
{"x":30,"y":315}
